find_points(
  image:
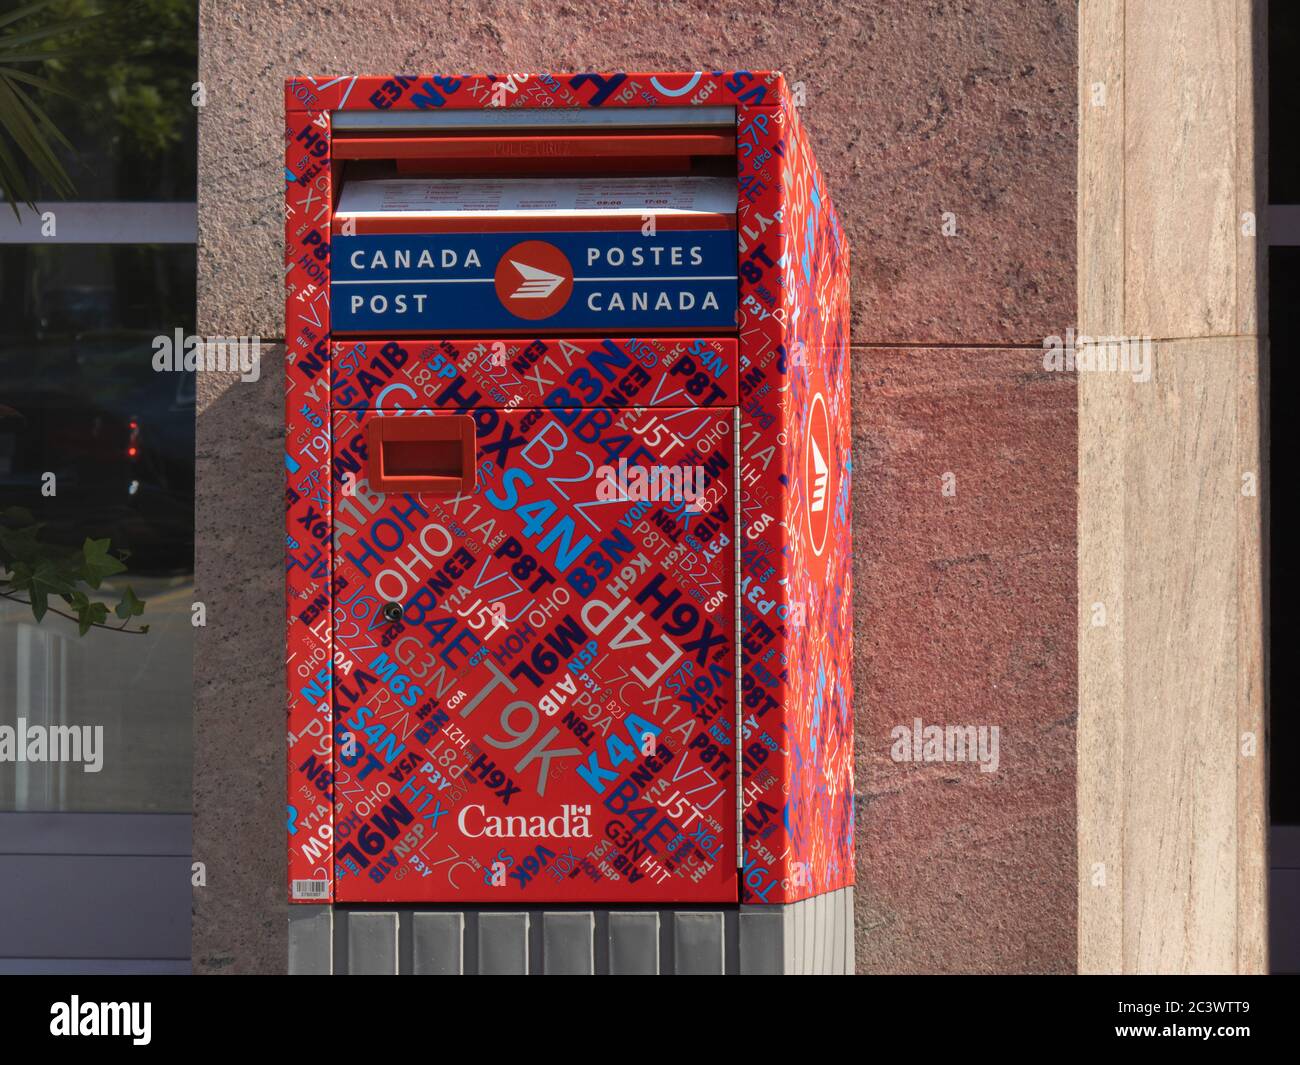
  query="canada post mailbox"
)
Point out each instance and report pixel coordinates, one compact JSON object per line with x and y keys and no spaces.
{"x":568,"y":455}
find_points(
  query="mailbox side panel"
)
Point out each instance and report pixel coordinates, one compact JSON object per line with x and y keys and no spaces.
{"x":308,"y":551}
{"x":796,"y":621}
{"x":818,"y":428}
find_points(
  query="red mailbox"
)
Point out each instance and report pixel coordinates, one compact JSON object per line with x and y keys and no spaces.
{"x":567,"y":438}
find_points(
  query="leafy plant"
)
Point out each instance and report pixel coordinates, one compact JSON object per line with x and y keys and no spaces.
{"x":139,"y":56}
{"x":38,"y":570}
{"x":25,"y":129}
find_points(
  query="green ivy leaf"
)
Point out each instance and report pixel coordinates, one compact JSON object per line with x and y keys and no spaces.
{"x":130,"y":606}
{"x":20,"y":544}
{"x":47,"y":578}
{"x":91,"y":614}
{"x":98,"y":563}
{"x":20,"y":577}
{"x":41,"y":570}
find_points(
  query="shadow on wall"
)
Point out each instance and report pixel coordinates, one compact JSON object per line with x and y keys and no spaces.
{"x":239,"y":675}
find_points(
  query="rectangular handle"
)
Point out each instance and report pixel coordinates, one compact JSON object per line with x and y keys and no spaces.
{"x":425,"y":455}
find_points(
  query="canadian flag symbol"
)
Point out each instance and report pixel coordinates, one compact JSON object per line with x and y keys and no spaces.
{"x":820,"y":477}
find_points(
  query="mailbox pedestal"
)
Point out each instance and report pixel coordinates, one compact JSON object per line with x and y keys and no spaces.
{"x":568,"y":543}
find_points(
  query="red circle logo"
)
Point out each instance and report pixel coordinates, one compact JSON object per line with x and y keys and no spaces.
{"x":534,"y":280}
{"x":820,"y":488}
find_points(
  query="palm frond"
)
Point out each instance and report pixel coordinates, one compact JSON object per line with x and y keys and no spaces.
{"x":13,"y":41}
{"x":42,"y":119}
{"x":19,"y":124}
{"x":44,"y":84}
{"x":22,"y":12}
{"x":13,"y":177}
{"x":26,"y":131}
{"x":39,"y":57}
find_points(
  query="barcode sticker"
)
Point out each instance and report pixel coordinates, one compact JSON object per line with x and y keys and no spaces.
{"x":309,"y":889}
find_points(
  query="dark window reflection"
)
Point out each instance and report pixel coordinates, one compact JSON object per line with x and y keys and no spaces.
{"x":1283,"y":101}
{"x":83,"y":401}
{"x":79,"y":398}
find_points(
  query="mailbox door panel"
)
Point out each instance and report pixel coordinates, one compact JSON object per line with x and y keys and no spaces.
{"x":534,"y":687}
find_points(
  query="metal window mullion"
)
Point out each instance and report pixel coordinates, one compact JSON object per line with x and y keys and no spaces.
{"x":101,"y":222}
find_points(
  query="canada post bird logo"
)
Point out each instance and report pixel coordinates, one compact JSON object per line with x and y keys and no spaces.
{"x":537,"y":283}
{"x":534,"y":280}
{"x":817,"y":475}
{"x":820,"y":474}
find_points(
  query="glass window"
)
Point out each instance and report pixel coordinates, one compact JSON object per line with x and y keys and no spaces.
{"x":95,"y":443}
{"x":79,"y":399}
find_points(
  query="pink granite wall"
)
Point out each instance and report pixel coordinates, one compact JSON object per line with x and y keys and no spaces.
{"x":965,"y":616}
{"x":965,"y":602}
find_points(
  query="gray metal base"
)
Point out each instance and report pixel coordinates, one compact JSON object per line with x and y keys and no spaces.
{"x":814,"y":936}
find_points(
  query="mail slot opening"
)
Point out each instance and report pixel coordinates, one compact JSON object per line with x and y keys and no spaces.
{"x":433,"y":455}
{"x":421,"y":458}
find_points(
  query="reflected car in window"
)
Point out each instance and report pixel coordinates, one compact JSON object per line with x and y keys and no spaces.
{"x":117,"y":438}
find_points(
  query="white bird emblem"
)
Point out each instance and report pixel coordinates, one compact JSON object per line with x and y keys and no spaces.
{"x":819,"y":481}
{"x":537,"y":283}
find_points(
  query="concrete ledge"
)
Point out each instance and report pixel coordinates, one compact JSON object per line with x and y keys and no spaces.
{"x":814,"y":936}
{"x":372,"y":944}
{"x":438,"y":944}
{"x":311,"y":937}
{"x":503,"y":944}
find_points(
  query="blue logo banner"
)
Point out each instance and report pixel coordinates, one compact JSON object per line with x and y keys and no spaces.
{"x":483,"y":282}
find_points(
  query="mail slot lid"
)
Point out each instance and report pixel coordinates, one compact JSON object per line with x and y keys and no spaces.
{"x":551,"y":718}
{"x":483,"y":255}
{"x":561,"y":374}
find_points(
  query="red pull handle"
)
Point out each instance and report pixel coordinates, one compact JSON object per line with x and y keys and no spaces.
{"x":427,"y":455}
